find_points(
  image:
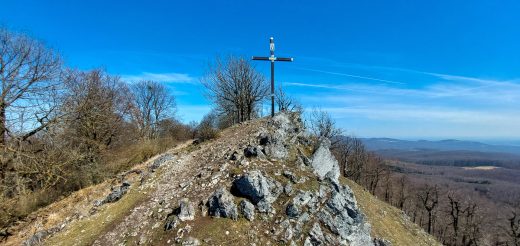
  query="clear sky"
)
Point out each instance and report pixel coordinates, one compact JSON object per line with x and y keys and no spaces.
{"x":406,"y":69}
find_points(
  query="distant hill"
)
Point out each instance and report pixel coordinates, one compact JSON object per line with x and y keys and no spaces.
{"x":446,"y":152}
{"x":376,"y":144}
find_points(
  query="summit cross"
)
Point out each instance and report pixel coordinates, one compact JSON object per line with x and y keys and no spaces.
{"x":272,"y":58}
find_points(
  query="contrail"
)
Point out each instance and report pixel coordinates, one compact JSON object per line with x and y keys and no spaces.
{"x":352,"y":76}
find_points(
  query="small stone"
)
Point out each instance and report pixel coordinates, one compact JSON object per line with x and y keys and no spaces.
{"x":290,"y":176}
{"x":186,"y":210}
{"x":381,"y":242}
{"x":287,"y":189}
{"x":234,"y":156}
{"x":171,"y":222}
{"x":292,"y":211}
{"x":250,"y":151}
{"x":190,"y":241}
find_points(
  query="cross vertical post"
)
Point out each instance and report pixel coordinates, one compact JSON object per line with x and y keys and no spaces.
{"x":272,"y":59}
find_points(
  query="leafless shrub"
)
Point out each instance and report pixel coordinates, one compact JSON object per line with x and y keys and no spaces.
{"x":286,"y":102}
{"x":321,"y":125}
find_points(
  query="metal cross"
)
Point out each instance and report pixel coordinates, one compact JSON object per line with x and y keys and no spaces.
{"x":272,"y":58}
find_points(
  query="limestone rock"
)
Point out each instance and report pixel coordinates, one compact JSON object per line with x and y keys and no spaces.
{"x":247,"y":209}
{"x":115,"y":194}
{"x":221,"y":204}
{"x":256,"y":187}
{"x":324,"y":163}
{"x":161,"y":160}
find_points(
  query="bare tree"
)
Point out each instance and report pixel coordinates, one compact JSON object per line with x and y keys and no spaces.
{"x":514,"y":226}
{"x":455,"y":211}
{"x":428,"y":197}
{"x":27,"y":72}
{"x":402,"y":182}
{"x":152,"y":103}
{"x":374,"y":172}
{"x":285,"y":102}
{"x":322,"y":125}
{"x":96,"y":105}
{"x":235,"y":87}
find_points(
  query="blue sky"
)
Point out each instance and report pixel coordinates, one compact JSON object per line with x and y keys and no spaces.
{"x":405,"y":69}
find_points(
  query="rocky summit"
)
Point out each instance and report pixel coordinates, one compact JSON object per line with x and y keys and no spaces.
{"x":263,"y":182}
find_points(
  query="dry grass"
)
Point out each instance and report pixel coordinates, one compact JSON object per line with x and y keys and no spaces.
{"x":215,"y":229}
{"x":387,"y":221}
{"x":85,"y":232}
{"x":78,"y":204}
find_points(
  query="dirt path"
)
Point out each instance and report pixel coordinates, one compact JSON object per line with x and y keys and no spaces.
{"x":75,"y":210}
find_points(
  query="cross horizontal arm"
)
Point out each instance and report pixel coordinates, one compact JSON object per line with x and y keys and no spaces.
{"x":261,"y":58}
{"x":284,"y":59}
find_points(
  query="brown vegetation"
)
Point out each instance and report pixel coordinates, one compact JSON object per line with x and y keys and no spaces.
{"x":459,"y":206}
{"x":62,"y":129}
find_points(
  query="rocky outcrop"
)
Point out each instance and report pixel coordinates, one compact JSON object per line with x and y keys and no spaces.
{"x":282,"y":184}
{"x":285,"y":128}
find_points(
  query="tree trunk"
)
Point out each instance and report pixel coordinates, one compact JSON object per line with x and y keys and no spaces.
{"x":430,"y":218}
{"x":3,"y":124}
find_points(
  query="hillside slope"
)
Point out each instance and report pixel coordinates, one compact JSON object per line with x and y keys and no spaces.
{"x":263,"y":182}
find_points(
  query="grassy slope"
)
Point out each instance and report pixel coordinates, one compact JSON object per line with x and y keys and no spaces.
{"x":389,"y":222}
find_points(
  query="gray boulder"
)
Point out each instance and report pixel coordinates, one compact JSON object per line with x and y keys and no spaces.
{"x":247,"y":209}
{"x":221,"y":204}
{"x":256,"y":187}
{"x":288,"y":189}
{"x":276,"y":146}
{"x":292,"y":211}
{"x":323,"y":162}
{"x":115,"y":194}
